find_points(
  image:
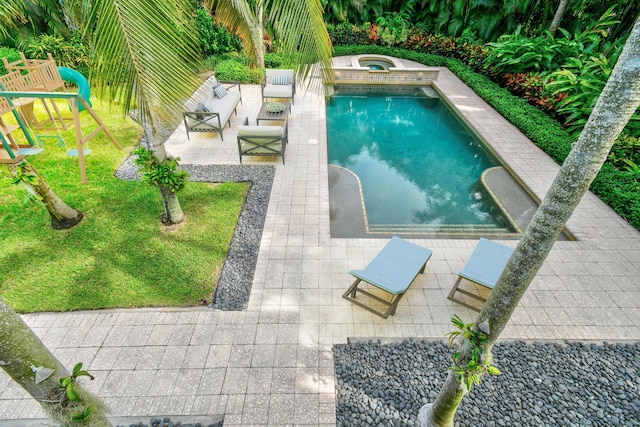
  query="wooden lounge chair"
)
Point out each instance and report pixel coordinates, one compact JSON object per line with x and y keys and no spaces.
{"x":484,"y":268}
{"x":392,"y":270}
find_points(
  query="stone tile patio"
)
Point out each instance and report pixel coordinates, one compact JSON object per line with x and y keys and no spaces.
{"x":272,"y":364}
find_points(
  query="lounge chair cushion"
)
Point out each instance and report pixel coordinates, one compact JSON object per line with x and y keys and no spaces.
{"x":484,"y":267}
{"x":277,"y":91}
{"x":279,"y":84}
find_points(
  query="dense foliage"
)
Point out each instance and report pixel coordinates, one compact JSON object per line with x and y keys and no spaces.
{"x":215,"y":39}
{"x":488,"y":19}
{"x":618,"y":188}
{"x":72,"y":52}
{"x":11,"y":54}
{"x":235,"y":68}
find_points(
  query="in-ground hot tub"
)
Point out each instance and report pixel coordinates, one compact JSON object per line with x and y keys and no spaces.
{"x":380,"y":64}
{"x":375,"y":62}
{"x":381,"y":69}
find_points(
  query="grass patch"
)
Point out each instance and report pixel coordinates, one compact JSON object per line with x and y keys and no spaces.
{"x":120,"y":255}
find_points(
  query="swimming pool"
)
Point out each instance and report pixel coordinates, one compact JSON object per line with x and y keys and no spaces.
{"x":418,"y":168}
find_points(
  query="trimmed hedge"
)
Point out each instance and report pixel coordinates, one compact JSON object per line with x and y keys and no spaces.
{"x":618,"y":189}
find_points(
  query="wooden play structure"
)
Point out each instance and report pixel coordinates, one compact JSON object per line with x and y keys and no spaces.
{"x":29,"y":80}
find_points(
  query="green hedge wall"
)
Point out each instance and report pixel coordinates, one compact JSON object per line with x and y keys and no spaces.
{"x":619,"y":189}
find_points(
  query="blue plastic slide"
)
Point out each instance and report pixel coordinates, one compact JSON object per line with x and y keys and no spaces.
{"x":69,"y":75}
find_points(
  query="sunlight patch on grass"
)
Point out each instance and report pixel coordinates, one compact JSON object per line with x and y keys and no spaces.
{"x":120,"y":255}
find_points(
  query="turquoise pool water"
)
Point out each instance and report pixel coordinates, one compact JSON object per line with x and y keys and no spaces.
{"x":419,"y":167}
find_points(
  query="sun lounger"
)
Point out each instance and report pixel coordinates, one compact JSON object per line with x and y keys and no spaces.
{"x":484,"y":268}
{"x":392,"y":270}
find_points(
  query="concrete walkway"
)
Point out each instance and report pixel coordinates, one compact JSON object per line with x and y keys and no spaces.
{"x":272,"y":364}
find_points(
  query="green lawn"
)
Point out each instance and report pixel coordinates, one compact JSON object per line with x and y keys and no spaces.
{"x":120,"y":255}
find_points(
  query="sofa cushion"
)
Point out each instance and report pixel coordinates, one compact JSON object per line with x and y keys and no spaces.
{"x":277,"y":91}
{"x":220,"y":91}
{"x":225,"y":106}
{"x":280,"y":80}
{"x":249,"y":131}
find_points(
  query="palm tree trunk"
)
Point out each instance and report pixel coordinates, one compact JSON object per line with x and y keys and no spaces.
{"x":619,"y":100}
{"x":173,"y":213}
{"x":441,"y":412}
{"x":558,"y":17}
{"x":20,"y":349}
{"x":63,"y":216}
{"x":258,"y":34}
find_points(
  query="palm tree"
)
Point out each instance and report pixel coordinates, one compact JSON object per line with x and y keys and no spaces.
{"x":618,"y":101}
{"x":145,"y":57}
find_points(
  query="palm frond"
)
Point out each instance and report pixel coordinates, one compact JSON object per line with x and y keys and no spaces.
{"x":11,"y":15}
{"x":300,"y":27}
{"x":240,"y":18}
{"x":145,"y":55}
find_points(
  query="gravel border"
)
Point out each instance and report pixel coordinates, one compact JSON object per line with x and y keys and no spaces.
{"x":236,"y":279}
{"x":542,"y":384}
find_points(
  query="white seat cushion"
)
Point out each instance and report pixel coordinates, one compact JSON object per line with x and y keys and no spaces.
{"x":249,"y":131}
{"x":278,"y":91}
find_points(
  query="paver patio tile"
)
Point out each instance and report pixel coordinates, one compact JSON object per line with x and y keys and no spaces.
{"x":211,"y":381}
{"x":260,"y":381}
{"x":281,"y":408}
{"x":235,"y":381}
{"x":172,"y":357}
{"x":256,"y":409}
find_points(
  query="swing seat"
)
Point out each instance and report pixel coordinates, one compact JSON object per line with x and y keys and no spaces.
{"x":29,"y":151}
{"x":74,"y":152}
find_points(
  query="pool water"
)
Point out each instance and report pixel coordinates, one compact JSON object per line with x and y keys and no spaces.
{"x":418,"y":166}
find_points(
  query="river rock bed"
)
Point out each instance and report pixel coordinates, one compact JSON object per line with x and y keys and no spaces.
{"x":542,"y":384}
{"x":167,"y":422}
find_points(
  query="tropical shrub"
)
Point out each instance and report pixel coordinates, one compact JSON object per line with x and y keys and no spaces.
{"x":214,"y":39}
{"x":620,"y":190}
{"x":517,"y":53}
{"x":625,"y":153}
{"x":531,"y":87}
{"x":393,"y":27}
{"x":11,"y":54}
{"x":346,"y":34}
{"x":211,"y":62}
{"x":279,"y":60}
{"x":236,"y":69}
{"x":72,"y":53}
{"x":581,"y":81}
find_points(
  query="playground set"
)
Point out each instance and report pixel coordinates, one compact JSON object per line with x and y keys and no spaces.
{"x":29,"y":80}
